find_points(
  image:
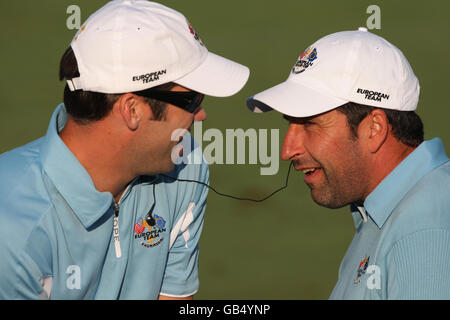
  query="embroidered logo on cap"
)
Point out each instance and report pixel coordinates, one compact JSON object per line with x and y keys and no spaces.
{"x":305,"y":60}
{"x":194,"y":33}
{"x":151,"y":76}
{"x":372,"y":95}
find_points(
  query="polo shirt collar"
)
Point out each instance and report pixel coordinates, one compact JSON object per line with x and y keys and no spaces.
{"x":359,"y":215}
{"x":68,"y":175}
{"x":380,"y":203}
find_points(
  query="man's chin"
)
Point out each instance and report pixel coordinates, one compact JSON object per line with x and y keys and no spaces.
{"x":328,"y":200}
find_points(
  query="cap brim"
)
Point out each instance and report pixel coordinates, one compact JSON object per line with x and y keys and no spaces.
{"x":216,"y":76}
{"x":293,"y":99}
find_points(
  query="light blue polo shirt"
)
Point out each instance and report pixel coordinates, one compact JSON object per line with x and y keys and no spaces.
{"x":59,"y":237}
{"x":402,"y":251}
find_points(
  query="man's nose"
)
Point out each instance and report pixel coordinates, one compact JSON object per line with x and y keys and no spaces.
{"x":200,"y":114}
{"x":293,"y":143}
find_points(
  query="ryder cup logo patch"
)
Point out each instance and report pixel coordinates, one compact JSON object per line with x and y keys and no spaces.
{"x":194,"y":33}
{"x":361,"y":269}
{"x":305,"y":60}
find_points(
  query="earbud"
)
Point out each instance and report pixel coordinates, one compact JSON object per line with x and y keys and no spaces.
{"x":150,"y":220}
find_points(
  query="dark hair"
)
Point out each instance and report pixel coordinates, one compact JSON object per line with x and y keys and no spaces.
{"x":407,"y":126}
{"x":88,"y":106}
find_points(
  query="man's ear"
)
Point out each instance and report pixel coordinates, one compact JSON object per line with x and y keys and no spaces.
{"x":131,"y":109}
{"x":376,"y":127}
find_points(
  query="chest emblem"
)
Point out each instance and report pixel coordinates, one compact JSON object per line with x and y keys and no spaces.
{"x":150,"y":231}
{"x":362,"y":269}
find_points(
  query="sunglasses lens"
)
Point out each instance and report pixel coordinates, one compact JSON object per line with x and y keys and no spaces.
{"x":201,"y":96}
{"x":195,"y":103}
{"x":199,"y":99}
{"x":188,"y":101}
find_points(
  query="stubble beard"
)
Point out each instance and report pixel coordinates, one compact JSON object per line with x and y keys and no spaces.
{"x":341,"y":188}
{"x":336,"y":193}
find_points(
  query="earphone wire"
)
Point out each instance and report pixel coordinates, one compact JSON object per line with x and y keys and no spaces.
{"x":235,"y":197}
{"x":149,"y":215}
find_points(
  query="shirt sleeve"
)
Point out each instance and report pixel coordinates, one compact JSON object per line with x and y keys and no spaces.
{"x":26,"y":271}
{"x":181,"y":274}
{"x":19,"y":279}
{"x":30,"y":283}
{"x":419,"y":266}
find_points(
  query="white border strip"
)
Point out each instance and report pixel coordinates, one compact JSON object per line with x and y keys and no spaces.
{"x":178,"y":296}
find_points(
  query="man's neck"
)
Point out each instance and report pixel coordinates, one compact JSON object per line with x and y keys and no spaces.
{"x":387,"y":160}
{"x":100,"y":154}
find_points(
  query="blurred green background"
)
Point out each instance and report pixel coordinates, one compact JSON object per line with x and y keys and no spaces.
{"x":286,"y":247}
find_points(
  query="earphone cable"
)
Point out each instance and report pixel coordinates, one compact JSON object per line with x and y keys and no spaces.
{"x":235,"y":197}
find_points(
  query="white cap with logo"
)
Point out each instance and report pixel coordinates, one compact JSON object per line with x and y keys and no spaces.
{"x":133,"y":45}
{"x":349,"y":66}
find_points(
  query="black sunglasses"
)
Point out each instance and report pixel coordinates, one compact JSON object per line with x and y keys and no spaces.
{"x":186,"y":100}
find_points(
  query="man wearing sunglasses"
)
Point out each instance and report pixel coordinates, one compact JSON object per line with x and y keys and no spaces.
{"x":85,"y":211}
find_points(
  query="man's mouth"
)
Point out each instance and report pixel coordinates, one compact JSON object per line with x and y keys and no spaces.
{"x":308,"y":171}
{"x":305,"y":169}
{"x":311,"y":173}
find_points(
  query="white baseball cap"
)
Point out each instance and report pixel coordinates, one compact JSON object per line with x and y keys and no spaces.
{"x":349,"y":66}
{"x":133,"y":45}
